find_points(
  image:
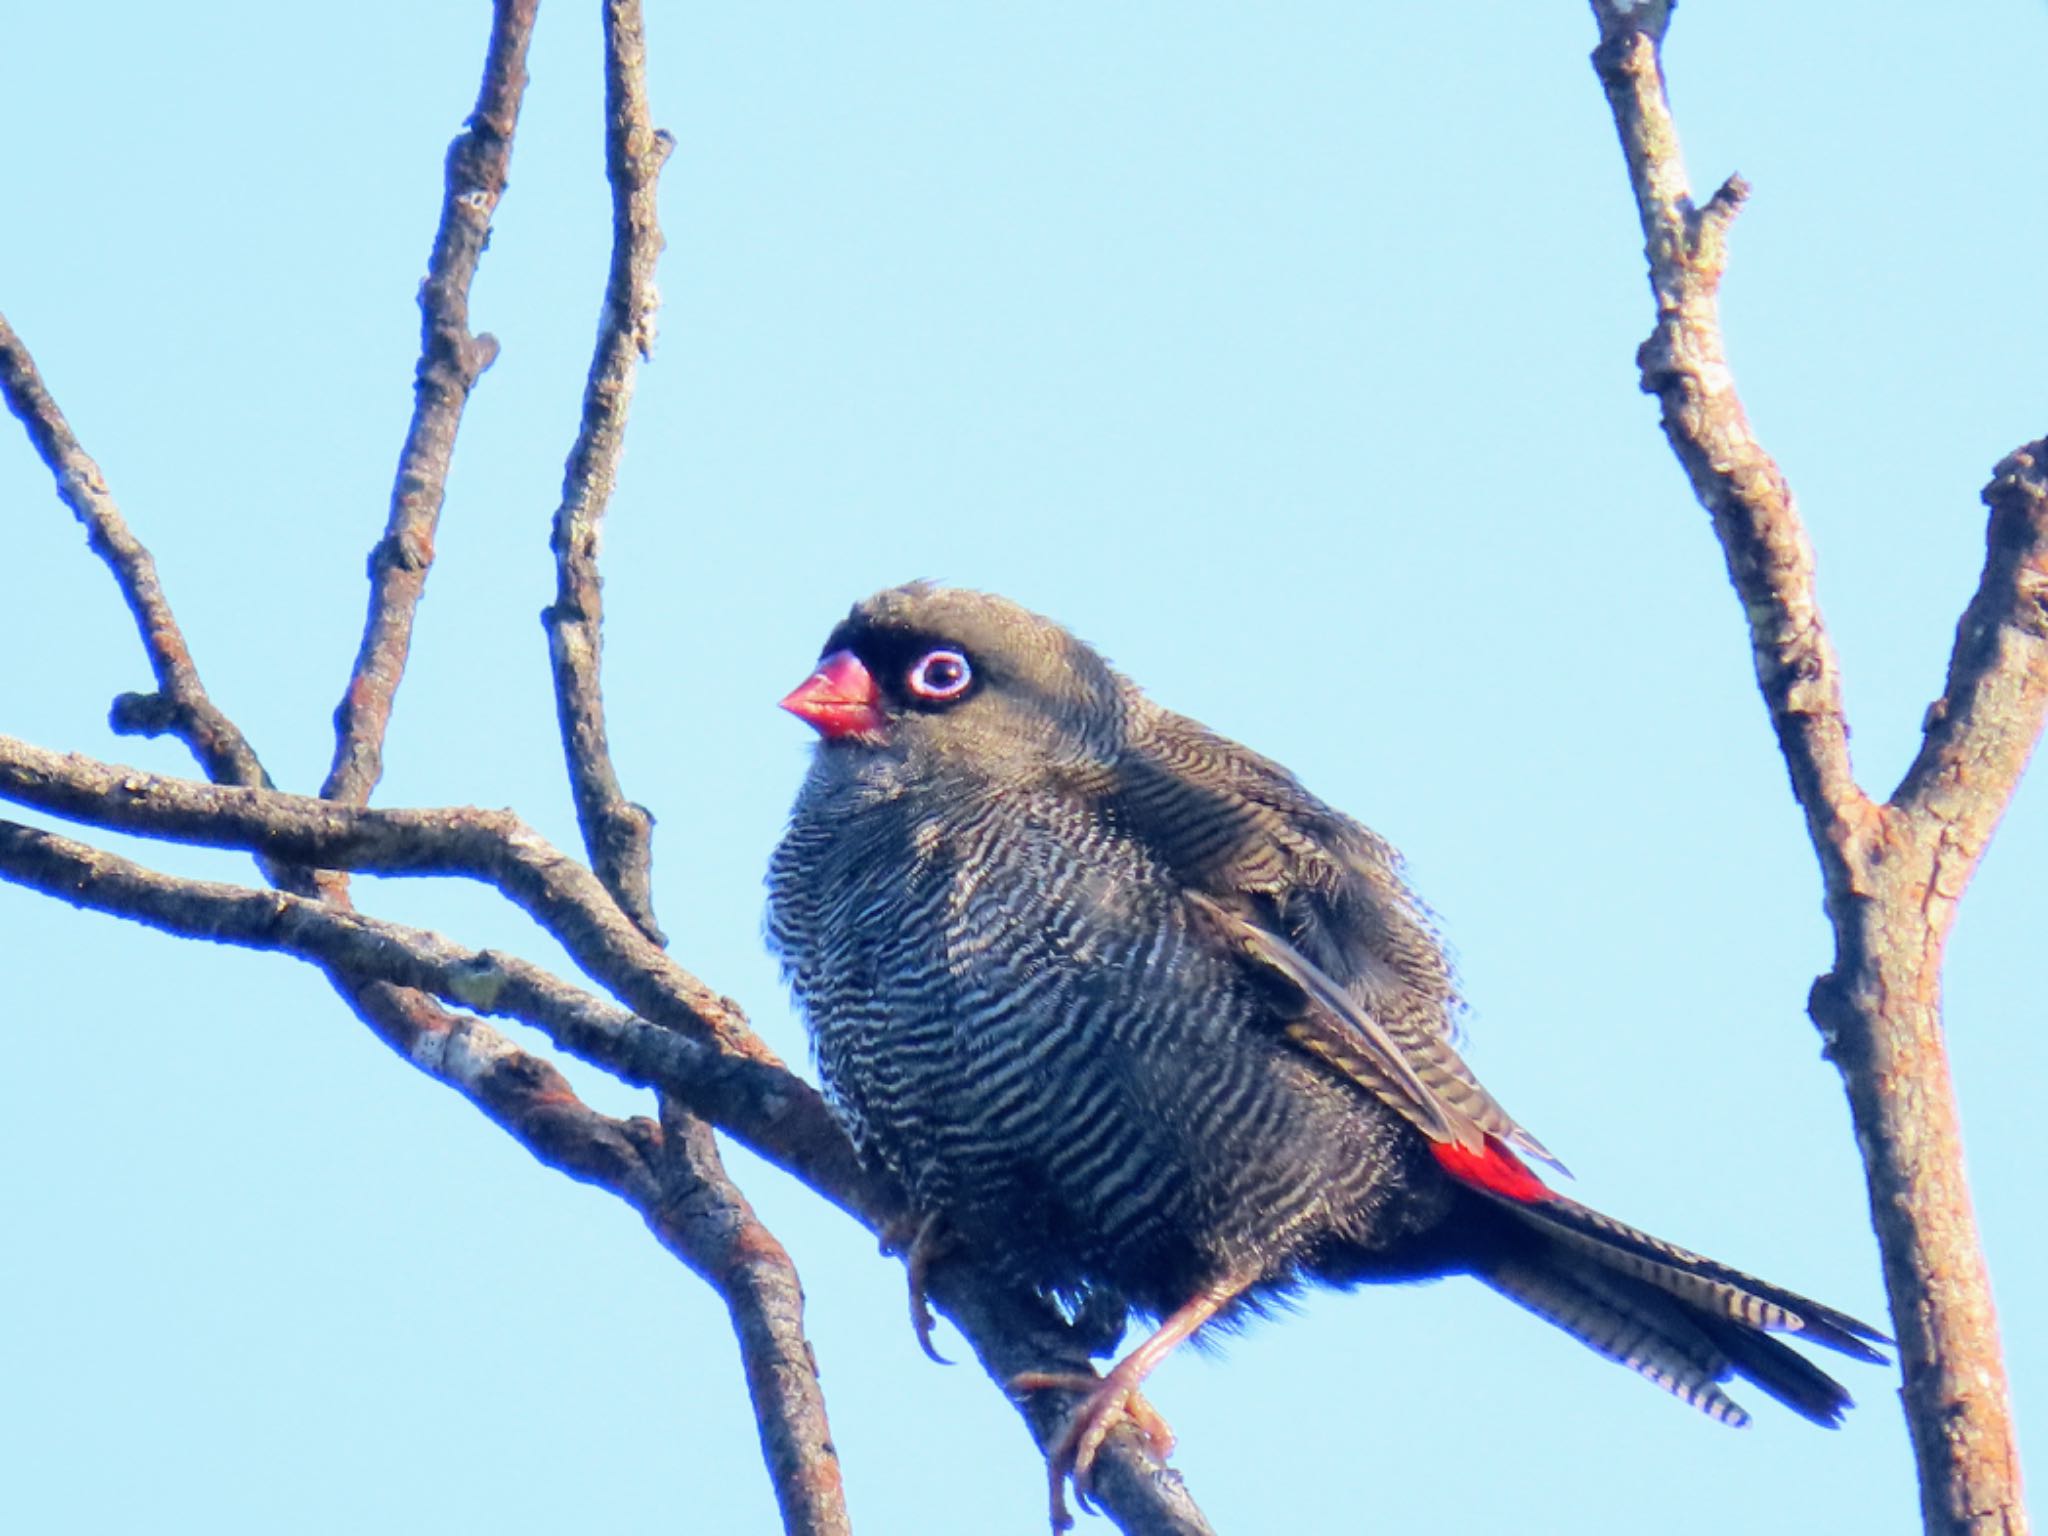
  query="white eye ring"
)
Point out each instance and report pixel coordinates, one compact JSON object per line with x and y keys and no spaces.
{"x":940,"y":676}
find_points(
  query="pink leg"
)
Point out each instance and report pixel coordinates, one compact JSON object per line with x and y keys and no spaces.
{"x":1071,"y":1458}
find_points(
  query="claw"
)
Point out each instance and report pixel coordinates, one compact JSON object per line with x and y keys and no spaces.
{"x":927,"y":1245}
{"x":923,"y":1246}
{"x":1071,"y":1457}
{"x":1108,"y":1399}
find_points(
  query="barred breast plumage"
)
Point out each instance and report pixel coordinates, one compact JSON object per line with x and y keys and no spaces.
{"x":1132,"y":1014}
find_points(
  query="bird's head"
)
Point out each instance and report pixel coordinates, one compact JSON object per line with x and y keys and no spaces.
{"x":946,"y":677}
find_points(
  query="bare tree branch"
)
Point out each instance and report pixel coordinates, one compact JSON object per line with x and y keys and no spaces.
{"x":749,"y":1095}
{"x":683,"y":1039}
{"x":615,"y":830}
{"x":703,"y":1217}
{"x":490,"y":846}
{"x":695,"y":1213}
{"x":1893,"y":873}
{"x":670,"y":1174}
{"x":451,"y":361}
{"x":1982,"y":730}
{"x":732,"y":1075}
{"x":370,"y":949}
{"x":1685,"y":365}
{"x":683,"y":1192}
{"x":707,"y":1223}
{"x":180,"y":703}
{"x":523,"y":1093}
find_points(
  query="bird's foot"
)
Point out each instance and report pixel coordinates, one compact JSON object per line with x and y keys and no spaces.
{"x":1109,"y":1399}
{"x":1071,"y":1459}
{"x":930,"y":1240}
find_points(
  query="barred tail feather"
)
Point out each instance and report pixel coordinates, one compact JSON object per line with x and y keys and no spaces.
{"x":1683,"y":1321}
{"x":1656,"y":1343}
{"x":1783,"y":1372}
{"x":1714,"y":1287}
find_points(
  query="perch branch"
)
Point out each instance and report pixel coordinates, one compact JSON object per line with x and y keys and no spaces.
{"x":707,"y":1223}
{"x":1017,"y":1334}
{"x":760,"y":1103}
{"x":494,"y":847}
{"x":1892,"y":874}
{"x":525,"y":1094}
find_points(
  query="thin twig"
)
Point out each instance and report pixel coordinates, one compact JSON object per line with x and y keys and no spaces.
{"x":1684,"y":364}
{"x":615,"y":830}
{"x":180,"y":703}
{"x":1892,"y":874}
{"x":451,"y":361}
{"x":1984,"y":727}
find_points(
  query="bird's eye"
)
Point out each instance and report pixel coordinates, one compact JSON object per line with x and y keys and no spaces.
{"x":938,"y":677}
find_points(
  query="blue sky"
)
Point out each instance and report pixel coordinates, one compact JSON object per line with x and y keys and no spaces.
{"x":1287,"y":354}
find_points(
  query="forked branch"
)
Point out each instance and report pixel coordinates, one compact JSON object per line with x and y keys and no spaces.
{"x":673,"y":1033}
{"x":1892,"y":873}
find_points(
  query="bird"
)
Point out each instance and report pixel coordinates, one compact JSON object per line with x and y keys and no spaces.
{"x":1151,"y":1030}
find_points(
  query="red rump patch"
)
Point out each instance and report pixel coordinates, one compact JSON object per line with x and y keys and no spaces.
{"x":1495,"y":1169}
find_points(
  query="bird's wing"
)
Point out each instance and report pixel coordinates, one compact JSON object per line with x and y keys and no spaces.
{"x":1316,"y":902}
{"x":1335,"y":1028}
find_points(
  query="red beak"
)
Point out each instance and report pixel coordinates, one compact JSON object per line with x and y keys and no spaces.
{"x":839,"y":699}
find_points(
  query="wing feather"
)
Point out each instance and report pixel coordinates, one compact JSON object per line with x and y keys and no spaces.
{"x":1316,"y":903}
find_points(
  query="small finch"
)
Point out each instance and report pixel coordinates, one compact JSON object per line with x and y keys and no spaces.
{"x":1133,"y":1016}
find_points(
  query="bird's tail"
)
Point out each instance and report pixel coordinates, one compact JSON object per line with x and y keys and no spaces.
{"x":1681,"y":1320}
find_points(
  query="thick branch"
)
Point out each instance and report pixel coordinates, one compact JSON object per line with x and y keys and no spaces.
{"x":1892,"y":874}
{"x":384,"y":968}
{"x":707,"y":1223}
{"x":762,"y":1104}
{"x":491,"y":846}
{"x":451,"y":361}
{"x":1880,"y":1007}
